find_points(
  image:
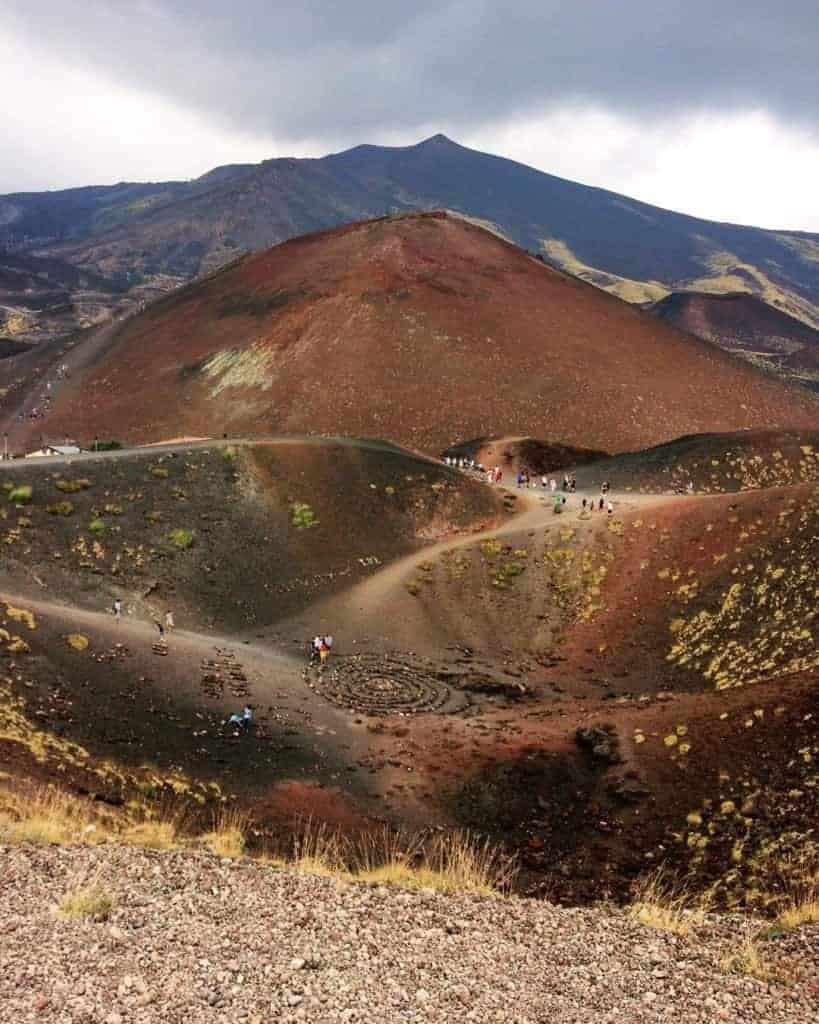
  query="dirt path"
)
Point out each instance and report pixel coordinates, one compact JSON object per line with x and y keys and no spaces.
{"x":361,"y":610}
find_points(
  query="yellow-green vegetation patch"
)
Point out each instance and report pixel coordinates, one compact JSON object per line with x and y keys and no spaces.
{"x":90,"y":903}
{"x":181,"y":538}
{"x":159,"y":472}
{"x":763,"y":623}
{"x":491,"y":548}
{"x":505,"y":573}
{"x":575,"y":576}
{"x":21,"y":495}
{"x":21,"y":615}
{"x":97,"y":526}
{"x":77,"y":641}
{"x":60,"y":508}
{"x":302,"y":516}
{"x":72,"y":486}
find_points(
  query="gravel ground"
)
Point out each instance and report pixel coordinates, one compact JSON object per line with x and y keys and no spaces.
{"x":197,"y":939}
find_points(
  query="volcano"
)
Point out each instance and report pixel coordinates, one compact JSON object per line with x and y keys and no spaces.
{"x":424,"y":329}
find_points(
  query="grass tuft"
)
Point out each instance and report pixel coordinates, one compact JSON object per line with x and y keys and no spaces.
{"x":181,"y":539}
{"x":227,"y":837}
{"x":84,"y":903}
{"x":302,"y":516}
{"x":659,"y":903}
{"x":155,"y":835}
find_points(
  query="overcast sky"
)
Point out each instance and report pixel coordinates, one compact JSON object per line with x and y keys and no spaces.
{"x":710,"y":108}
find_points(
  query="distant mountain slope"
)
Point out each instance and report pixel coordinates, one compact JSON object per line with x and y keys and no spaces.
{"x":157,"y":234}
{"x":424,"y":329}
{"x":749,"y":326}
{"x":44,"y":296}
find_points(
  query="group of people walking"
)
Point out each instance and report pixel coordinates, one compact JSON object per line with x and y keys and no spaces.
{"x":163,"y":625}
{"x":320,"y":647}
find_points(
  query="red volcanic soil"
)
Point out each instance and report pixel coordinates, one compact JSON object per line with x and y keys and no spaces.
{"x":746,"y":323}
{"x":424,"y":329}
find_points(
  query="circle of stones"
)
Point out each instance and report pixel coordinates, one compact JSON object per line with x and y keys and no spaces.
{"x":379,"y":684}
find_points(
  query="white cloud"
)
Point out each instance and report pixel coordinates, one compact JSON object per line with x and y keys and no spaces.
{"x":65,"y":126}
{"x":743,"y":168}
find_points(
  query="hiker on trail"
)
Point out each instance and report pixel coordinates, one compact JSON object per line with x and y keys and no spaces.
{"x":544,"y":483}
{"x":553,"y":485}
{"x":247,"y":717}
{"x":315,"y":648}
{"x":328,"y":643}
{"x":601,"y":504}
{"x":117,"y":608}
{"x":610,"y":508}
{"x":324,"y":651}
{"x":584,"y":504}
{"x":161,"y":629}
{"x":573,"y":484}
{"x":169,"y":620}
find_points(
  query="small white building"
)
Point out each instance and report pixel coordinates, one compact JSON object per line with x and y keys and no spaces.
{"x":54,"y":449}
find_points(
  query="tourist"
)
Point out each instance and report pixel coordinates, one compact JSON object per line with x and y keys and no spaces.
{"x":117,"y":609}
{"x":169,"y":623}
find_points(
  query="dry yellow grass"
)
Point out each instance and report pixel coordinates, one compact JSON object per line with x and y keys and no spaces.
{"x":227,"y":837}
{"x":161,"y":834}
{"x":748,"y":959}
{"x":659,"y":903}
{"x":318,"y":850}
{"x":802,"y":906}
{"x":86,"y":902}
{"x":48,"y":817}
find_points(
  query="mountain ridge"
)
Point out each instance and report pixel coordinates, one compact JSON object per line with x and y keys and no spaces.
{"x":157,"y":235}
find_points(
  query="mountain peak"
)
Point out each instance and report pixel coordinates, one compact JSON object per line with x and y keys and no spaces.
{"x":437,"y":140}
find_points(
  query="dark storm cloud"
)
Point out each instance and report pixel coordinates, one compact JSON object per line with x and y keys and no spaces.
{"x":354,"y":68}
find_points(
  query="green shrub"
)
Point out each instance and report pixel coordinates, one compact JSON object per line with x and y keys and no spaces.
{"x":303,"y":516}
{"x":230,"y":453}
{"x":97,"y":526}
{"x":160,"y":472}
{"x":21,"y":495}
{"x":60,"y":508}
{"x":181,"y":539}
